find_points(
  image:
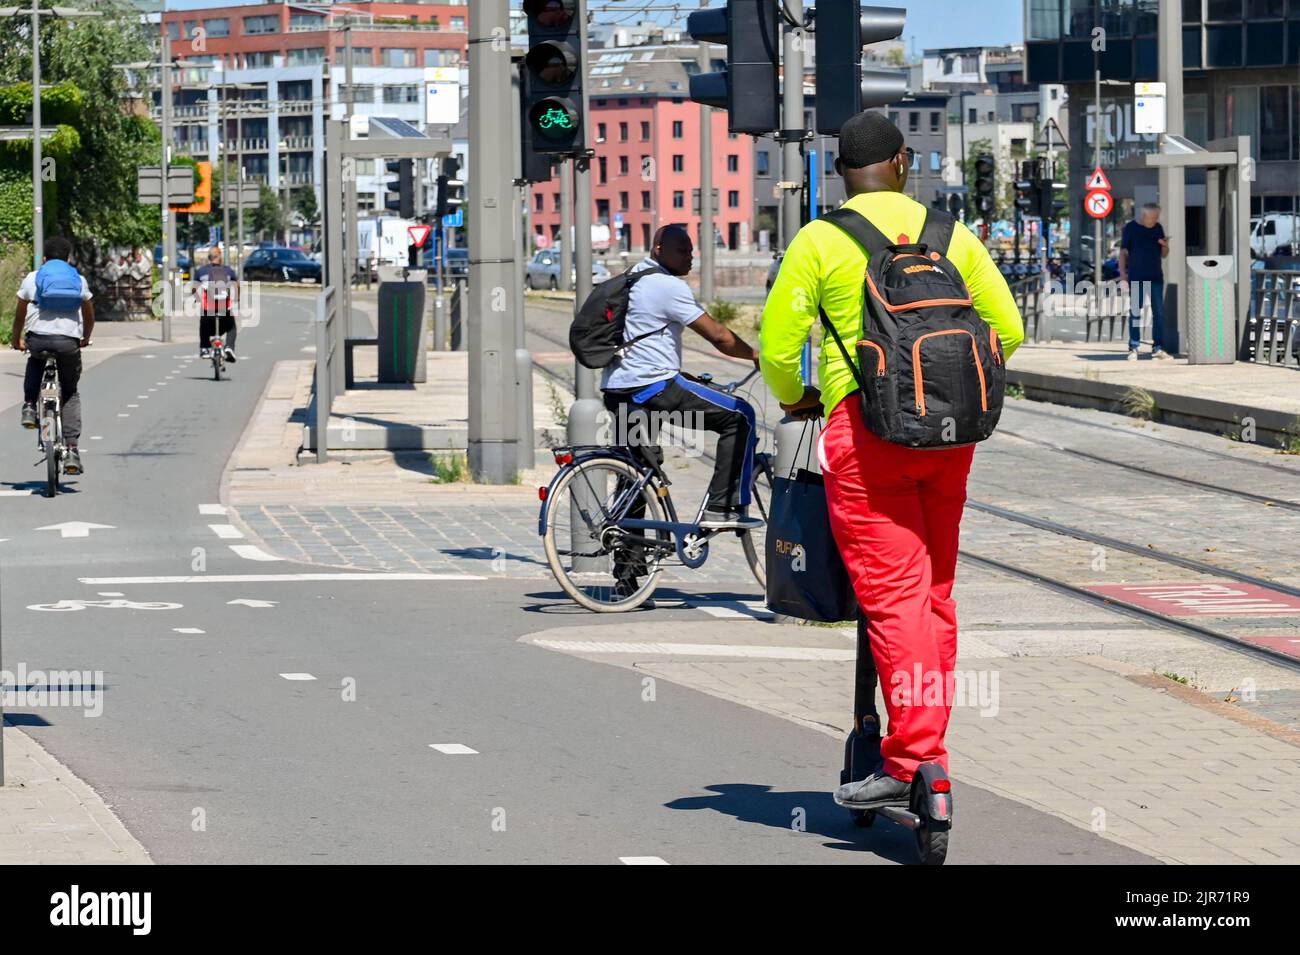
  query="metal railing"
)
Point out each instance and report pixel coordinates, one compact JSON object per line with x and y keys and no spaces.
{"x":1272,"y":332}
{"x":329,"y":366}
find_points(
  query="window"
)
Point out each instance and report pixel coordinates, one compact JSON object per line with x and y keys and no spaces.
{"x":174,"y":30}
{"x":733,"y":199}
{"x":763,"y":163}
{"x":398,"y":56}
{"x":458,"y":24}
{"x":679,"y":200}
{"x":557,"y":202}
{"x":540,"y":202}
{"x":893,"y":116}
{"x":401,"y":94}
{"x":305,"y":57}
{"x":678,"y":129}
{"x":913,"y":121}
{"x":970,"y":115}
{"x":622,"y":132}
{"x":218,"y":27}
{"x":600,"y":132}
{"x":622,"y":202}
{"x":622,"y":165}
{"x":733,"y":163}
{"x":934,"y":121}
{"x":1274,"y":105}
{"x":259,"y":60}
{"x":361,"y":93}
{"x":361,"y":55}
{"x":830,"y":162}
{"x":936,"y":161}
{"x":603,"y":166}
{"x":645,"y":200}
{"x":1223,"y":10}
{"x":679,"y":163}
{"x":306,"y":21}
{"x":442,"y":57}
{"x":645,"y":132}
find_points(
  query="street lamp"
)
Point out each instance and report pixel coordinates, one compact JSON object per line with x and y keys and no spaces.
{"x":35,"y":13}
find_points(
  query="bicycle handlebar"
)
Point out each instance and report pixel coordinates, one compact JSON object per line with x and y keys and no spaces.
{"x":730,"y":387}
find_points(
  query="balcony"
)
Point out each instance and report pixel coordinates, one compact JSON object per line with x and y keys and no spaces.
{"x":300,"y":143}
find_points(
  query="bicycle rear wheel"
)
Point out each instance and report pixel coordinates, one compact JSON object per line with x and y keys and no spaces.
{"x":602,"y":567}
{"x":754,"y":542}
{"x":51,"y":448}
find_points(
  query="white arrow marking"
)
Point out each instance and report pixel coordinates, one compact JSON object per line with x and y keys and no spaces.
{"x":76,"y":528}
{"x":251,"y":603}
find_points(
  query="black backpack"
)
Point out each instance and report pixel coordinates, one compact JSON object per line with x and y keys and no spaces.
{"x":930,"y":370}
{"x":596,"y":336}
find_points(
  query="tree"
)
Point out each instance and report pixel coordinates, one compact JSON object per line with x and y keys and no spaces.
{"x":268,"y":215}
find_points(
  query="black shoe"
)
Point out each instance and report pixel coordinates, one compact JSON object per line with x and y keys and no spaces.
{"x":205,"y":353}
{"x":874,"y":791}
{"x":29,"y":417}
{"x":72,"y":461}
{"x":230,"y":355}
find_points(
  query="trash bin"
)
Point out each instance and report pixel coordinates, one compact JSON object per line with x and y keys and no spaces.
{"x":402,"y":331}
{"x":1211,"y":310}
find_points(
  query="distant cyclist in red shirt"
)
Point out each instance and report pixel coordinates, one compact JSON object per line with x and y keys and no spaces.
{"x":218,"y":294}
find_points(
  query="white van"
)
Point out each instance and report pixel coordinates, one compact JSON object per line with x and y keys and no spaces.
{"x":1272,"y":230}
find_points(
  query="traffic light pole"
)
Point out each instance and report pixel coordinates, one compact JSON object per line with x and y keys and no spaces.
{"x":1172,"y":180}
{"x":567,"y":235}
{"x":792,"y":117}
{"x":493,"y":410}
{"x":707,"y":212}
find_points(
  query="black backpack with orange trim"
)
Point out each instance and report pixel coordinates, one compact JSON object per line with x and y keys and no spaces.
{"x":930,"y":370}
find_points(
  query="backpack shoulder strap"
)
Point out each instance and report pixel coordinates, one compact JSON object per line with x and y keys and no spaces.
{"x":830,"y":327}
{"x":862,"y":230}
{"x":936,"y":234}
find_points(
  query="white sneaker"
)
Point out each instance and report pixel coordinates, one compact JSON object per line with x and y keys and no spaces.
{"x":1162,"y":356}
{"x":1132,"y":355}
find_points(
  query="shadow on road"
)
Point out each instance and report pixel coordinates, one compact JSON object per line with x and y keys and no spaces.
{"x":815,"y":811}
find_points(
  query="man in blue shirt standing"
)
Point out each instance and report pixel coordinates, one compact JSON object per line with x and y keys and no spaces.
{"x":1142,"y":246}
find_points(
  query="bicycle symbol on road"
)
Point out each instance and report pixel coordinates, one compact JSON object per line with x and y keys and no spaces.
{"x":114,"y":604}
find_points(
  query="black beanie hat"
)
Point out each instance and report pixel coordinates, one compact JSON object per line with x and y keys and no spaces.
{"x":867,"y":139}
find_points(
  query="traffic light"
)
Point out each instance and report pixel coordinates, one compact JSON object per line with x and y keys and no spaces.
{"x":1049,"y":207}
{"x":535,"y":166}
{"x":1027,"y":188}
{"x":403,"y":203}
{"x":986,"y":185}
{"x":749,"y":88}
{"x":451,"y":189}
{"x":554,"y":78}
{"x":844,"y":87}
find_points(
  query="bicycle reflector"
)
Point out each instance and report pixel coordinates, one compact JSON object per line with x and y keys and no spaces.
{"x":563,"y":458}
{"x":541,"y":493}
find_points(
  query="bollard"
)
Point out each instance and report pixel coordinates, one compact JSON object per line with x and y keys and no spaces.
{"x":524,"y":392}
{"x":440,"y":321}
{"x":584,"y":430}
{"x":458,"y":320}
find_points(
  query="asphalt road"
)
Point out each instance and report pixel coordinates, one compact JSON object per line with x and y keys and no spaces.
{"x":210,"y":754}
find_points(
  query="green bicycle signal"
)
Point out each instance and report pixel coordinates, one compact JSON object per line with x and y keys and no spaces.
{"x":556,"y":117}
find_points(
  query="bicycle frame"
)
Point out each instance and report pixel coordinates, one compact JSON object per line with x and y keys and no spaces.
{"x":51,"y":394}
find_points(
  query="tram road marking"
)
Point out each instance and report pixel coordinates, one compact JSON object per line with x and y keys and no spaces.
{"x":227,"y":531}
{"x":454,"y":749}
{"x":271,"y":578}
{"x":1213,"y":598}
{"x":641,"y":860}
{"x":252,"y":552}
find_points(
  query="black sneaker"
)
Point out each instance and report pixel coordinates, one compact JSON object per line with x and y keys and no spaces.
{"x":29,"y":417}
{"x":230,"y":355}
{"x":205,"y":353}
{"x":729,"y":520}
{"x":876,"y":790}
{"x":72,"y":461}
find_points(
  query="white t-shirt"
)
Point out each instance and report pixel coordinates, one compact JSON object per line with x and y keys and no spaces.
{"x":656,"y":301}
{"x":52,"y":322}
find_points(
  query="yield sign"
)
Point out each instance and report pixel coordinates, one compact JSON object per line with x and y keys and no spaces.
{"x":1098,"y":180}
{"x":1098,"y":204}
{"x":419,"y":234}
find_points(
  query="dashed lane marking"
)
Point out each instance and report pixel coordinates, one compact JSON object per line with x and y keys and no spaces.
{"x":252,"y":552}
{"x":227,"y":531}
{"x":27,"y":493}
{"x":189,"y":630}
{"x":641,"y":860}
{"x":297,"y":676}
{"x":453,"y":749}
{"x":736,"y":610}
{"x":270,"y":578}
{"x":212,"y":509}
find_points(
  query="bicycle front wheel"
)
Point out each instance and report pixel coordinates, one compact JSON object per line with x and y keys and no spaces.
{"x":50,"y":444}
{"x":605,"y":568}
{"x":754,"y":542}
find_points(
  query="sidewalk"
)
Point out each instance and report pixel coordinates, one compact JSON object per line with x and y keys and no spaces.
{"x":1214,"y":398}
{"x":50,"y":817}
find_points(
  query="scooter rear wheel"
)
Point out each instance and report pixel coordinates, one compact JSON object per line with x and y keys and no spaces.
{"x":932,"y":841}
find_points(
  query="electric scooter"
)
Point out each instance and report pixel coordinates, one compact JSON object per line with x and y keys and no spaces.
{"x":927,"y":810}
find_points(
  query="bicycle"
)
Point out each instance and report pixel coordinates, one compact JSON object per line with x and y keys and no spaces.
{"x":607,"y":520}
{"x":49,"y":436}
{"x":218,"y":349}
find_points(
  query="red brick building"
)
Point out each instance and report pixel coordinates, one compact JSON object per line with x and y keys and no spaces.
{"x":646,"y":135}
{"x":383,"y":34}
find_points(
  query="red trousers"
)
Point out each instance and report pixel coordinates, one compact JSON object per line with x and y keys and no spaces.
{"x":895,"y":513}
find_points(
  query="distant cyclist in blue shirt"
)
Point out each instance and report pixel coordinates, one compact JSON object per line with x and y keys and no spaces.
{"x":54,"y":316}
{"x":1141,"y":247}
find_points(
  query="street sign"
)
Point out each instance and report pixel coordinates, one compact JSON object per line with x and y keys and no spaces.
{"x":442,"y":103}
{"x":419,"y":234}
{"x":1051,"y":137}
{"x":1098,"y":180}
{"x":1149,"y":115}
{"x":454,"y":220}
{"x":180,"y":184}
{"x":1098,"y":204}
{"x":202,"y":191}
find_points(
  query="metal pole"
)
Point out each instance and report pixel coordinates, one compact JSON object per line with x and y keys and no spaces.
{"x":961,"y":164}
{"x":168,"y":250}
{"x":493,"y":410}
{"x":565,"y":280}
{"x":349,"y":190}
{"x":38,"y":184}
{"x":225,"y":191}
{"x":792,"y":170}
{"x":1173,"y":189}
{"x":1097,"y":257}
{"x":707,"y":212}
{"x":239,"y":177}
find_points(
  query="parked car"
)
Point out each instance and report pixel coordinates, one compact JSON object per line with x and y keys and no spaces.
{"x":457,"y":263}
{"x":544,"y":271}
{"x":281,"y":264}
{"x":773,"y":269}
{"x":182,"y":260}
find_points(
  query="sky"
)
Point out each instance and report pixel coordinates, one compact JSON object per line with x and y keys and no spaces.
{"x":930,"y":23}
